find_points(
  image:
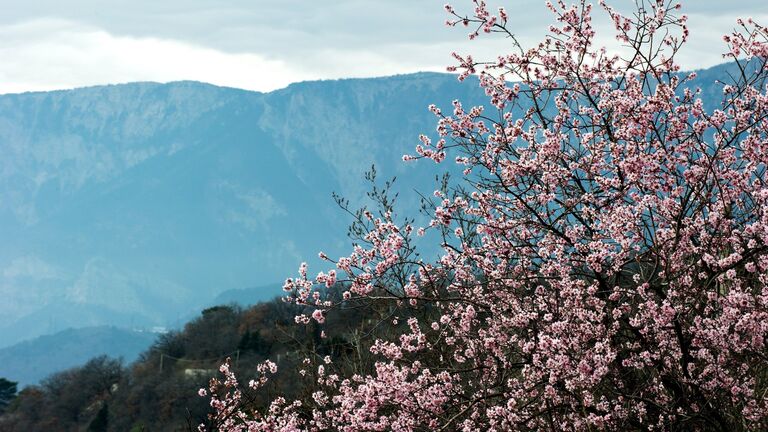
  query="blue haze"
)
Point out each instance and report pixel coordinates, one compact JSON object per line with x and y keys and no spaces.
{"x":135,"y":205}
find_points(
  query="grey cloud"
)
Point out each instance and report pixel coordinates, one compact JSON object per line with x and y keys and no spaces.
{"x":313,"y":39}
{"x":257,"y":24}
{"x":293,"y":25}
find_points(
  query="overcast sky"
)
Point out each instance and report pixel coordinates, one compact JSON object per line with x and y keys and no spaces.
{"x":267,"y":44}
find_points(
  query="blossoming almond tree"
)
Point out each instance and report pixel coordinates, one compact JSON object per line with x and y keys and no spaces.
{"x":604,"y":258}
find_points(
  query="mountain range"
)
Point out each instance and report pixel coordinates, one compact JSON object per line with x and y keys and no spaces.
{"x":135,"y":205}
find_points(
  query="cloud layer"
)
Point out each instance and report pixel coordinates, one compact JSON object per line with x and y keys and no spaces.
{"x":264,"y":45}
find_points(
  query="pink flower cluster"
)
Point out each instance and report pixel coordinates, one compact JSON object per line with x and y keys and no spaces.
{"x":604,"y":261}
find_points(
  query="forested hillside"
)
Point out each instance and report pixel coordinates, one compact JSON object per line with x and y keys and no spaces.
{"x":159,"y":392}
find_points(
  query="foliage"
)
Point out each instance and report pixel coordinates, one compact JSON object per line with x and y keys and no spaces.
{"x":158,"y":393}
{"x":604,"y":258}
{"x":7,"y":393}
{"x":100,"y":423}
{"x":67,"y":399}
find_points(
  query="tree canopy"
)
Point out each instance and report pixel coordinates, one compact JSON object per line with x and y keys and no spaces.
{"x":7,"y":393}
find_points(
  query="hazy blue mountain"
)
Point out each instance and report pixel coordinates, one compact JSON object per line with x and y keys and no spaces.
{"x":137,"y":204}
{"x":30,"y":361}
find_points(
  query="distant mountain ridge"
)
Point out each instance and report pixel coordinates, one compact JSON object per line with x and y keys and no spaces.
{"x":136,"y":204}
{"x":30,"y":361}
{"x":139,"y":202}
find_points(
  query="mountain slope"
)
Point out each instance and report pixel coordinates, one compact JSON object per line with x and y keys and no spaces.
{"x":139,"y":203}
{"x":145,"y":200}
{"x":30,"y":361}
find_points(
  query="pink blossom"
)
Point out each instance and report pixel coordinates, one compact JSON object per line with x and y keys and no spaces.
{"x":604,"y":258}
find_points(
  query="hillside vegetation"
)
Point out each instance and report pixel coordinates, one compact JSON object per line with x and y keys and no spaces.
{"x":158,"y":392}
